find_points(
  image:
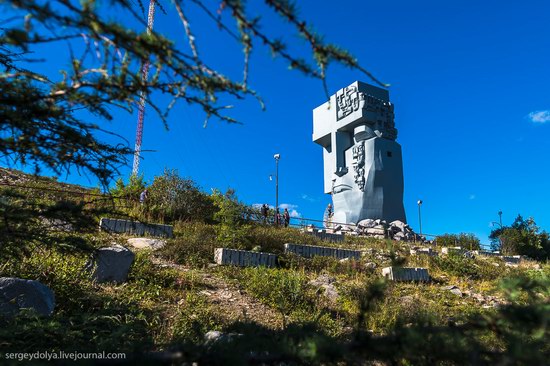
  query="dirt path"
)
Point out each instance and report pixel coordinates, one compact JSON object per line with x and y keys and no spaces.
{"x":237,"y":305}
{"x":233,"y":303}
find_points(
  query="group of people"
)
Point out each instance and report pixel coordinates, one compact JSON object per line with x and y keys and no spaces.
{"x":279,"y":219}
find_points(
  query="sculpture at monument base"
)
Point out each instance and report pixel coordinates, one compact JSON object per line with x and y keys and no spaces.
{"x":363,"y":169}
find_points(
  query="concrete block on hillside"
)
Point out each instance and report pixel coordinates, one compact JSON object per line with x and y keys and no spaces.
{"x":309,"y":251}
{"x":244,"y":258}
{"x":323,"y":235}
{"x":406,"y":274}
{"x":452,"y":250}
{"x":135,"y":227}
{"x":423,"y":251}
{"x":513,"y":259}
{"x":486,"y":253}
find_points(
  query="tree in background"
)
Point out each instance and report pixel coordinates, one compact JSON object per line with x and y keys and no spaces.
{"x":53,"y":122}
{"x":231,"y":218}
{"x":464,"y":240}
{"x":523,"y":237}
{"x":172,"y":198}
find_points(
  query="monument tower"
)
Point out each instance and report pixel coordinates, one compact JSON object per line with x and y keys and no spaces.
{"x":363,"y":168}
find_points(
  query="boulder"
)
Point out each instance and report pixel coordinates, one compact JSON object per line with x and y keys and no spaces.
{"x":399,"y":225}
{"x":327,"y":283}
{"x":454,"y":290}
{"x":146,"y":243}
{"x":111,"y":264}
{"x":215,"y":336}
{"x":366,"y":223}
{"x":399,"y":236}
{"x":17,"y":294}
{"x":375,"y":231}
{"x":370,"y":266}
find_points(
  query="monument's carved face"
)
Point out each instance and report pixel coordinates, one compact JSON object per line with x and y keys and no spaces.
{"x":348,"y":191}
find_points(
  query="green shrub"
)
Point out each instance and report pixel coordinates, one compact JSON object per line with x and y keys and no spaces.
{"x":87,"y":317}
{"x":320,"y":264}
{"x":464,"y":240}
{"x":281,"y":289}
{"x":194,"y":244}
{"x":173,"y":198}
{"x":272,"y":239}
{"x":193,"y":320}
{"x":523,"y":237}
{"x":467,"y":268}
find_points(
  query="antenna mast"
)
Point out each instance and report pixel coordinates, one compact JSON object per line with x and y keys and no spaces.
{"x":142,"y":94}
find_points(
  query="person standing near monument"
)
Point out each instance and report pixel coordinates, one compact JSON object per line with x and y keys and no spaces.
{"x":328,"y":216}
{"x":286,"y":217}
{"x":143,"y":196}
{"x":277,"y":217}
{"x":264,"y":211}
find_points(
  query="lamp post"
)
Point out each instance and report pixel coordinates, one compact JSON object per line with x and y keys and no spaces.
{"x":276,"y":157}
{"x":420,"y":216}
{"x":500,"y":226}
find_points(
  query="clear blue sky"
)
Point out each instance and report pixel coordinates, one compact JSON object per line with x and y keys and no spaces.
{"x":469,"y":80}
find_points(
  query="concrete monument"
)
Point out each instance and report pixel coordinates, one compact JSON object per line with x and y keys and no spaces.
{"x":363,"y":168}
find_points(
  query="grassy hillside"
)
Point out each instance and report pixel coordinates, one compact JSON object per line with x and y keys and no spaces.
{"x":307,"y":311}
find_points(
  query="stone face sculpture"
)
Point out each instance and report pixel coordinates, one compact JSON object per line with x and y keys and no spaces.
{"x":363,"y":168}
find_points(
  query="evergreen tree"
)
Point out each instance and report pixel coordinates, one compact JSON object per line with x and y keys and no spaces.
{"x":42,"y":123}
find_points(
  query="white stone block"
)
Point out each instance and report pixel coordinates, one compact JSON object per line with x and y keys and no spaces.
{"x":244,"y":258}
{"x":452,"y":250}
{"x":513,"y":259}
{"x":309,"y":251}
{"x":406,"y":274}
{"x":423,"y":251}
{"x":486,"y":253}
{"x":135,"y":227}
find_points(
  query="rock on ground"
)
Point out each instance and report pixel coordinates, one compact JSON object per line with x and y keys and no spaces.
{"x":215,"y":336}
{"x":111,"y":264}
{"x":17,"y":294}
{"x":146,"y":243}
{"x":366,"y":223}
{"x":327,"y":283}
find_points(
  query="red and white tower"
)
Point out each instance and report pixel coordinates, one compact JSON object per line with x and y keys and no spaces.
{"x":142,"y":94}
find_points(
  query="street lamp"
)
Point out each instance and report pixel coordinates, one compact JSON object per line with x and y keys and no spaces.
{"x":500,"y":217}
{"x":276,"y":157}
{"x":420,"y":216}
{"x":493,"y":223}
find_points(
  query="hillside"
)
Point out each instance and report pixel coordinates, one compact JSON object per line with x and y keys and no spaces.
{"x":178,"y":307}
